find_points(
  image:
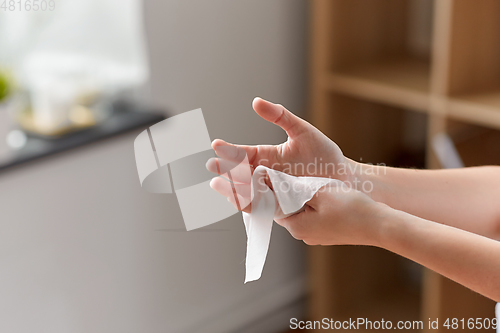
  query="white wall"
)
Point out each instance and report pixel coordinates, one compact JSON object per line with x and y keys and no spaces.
{"x":84,"y":249}
{"x":220,"y":54}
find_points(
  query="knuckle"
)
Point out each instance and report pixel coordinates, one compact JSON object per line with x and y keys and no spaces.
{"x":309,"y":242}
{"x":297,"y":232}
{"x":296,"y":236}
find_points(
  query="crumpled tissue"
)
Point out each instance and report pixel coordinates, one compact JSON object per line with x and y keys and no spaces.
{"x":288,"y":197}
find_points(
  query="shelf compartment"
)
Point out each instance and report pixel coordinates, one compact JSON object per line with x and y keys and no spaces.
{"x":367,"y":282}
{"x":366,"y":31}
{"x":474,"y":47}
{"x":474,"y":70}
{"x":477,"y":145}
{"x":375,"y":132}
{"x":381,"y":51}
{"x":402,"y":83}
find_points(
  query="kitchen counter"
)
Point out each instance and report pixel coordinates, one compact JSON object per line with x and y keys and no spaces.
{"x":121,"y":121}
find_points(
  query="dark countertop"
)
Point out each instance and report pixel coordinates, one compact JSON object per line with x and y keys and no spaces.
{"x":121,"y":121}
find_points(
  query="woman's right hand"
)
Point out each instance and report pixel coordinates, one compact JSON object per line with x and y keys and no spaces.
{"x":306,"y":145}
{"x":307,"y":152}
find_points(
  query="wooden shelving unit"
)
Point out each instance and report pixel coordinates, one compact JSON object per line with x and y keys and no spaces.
{"x":366,"y":76}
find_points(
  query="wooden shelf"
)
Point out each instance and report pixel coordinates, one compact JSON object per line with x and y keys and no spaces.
{"x":477,"y":145}
{"x":402,"y":82}
{"x":365,"y":77}
{"x":482,"y":109}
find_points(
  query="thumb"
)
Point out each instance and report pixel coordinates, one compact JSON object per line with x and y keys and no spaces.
{"x":280,"y":116}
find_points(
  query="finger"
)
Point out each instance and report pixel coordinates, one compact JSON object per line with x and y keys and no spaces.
{"x":241,"y":205}
{"x":280,"y":116}
{"x":226,"y":188}
{"x":239,"y":172}
{"x":257,"y":155}
{"x":332,"y":190}
{"x":234,"y":153}
{"x":237,"y":194}
{"x":297,"y":224}
{"x":315,"y":200}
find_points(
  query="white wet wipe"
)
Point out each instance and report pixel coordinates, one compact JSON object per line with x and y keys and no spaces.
{"x":288,"y":197}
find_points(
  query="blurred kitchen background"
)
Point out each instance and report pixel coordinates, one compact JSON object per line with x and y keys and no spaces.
{"x":84,"y":249}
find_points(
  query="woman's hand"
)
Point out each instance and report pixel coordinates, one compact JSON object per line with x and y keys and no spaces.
{"x":338,"y":215}
{"x":307,"y":152}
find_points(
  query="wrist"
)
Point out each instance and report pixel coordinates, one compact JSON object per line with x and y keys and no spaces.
{"x":392,"y":227}
{"x":376,"y":218}
{"x":369,"y":179}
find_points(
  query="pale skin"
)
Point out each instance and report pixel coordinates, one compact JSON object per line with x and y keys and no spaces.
{"x":446,"y":220}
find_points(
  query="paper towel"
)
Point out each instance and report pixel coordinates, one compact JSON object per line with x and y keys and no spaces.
{"x":288,"y":197}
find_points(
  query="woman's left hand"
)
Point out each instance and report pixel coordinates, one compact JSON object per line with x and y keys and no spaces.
{"x":338,"y":215}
